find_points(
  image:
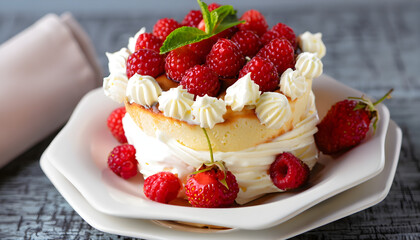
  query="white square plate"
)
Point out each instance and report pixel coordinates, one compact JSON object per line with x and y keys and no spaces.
{"x":79,"y":153}
{"x":346,"y":203}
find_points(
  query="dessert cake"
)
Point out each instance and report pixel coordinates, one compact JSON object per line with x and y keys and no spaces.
{"x":247,"y":87}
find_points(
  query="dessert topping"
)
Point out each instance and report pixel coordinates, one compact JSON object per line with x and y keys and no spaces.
{"x":243,"y":92}
{"x":273,"y":109}
{"x":117,"y":61}
{"x":122,"y":161}
{"x":176,"y":103}
{"x":143,"y":90}
{"x":162,"y":187}
{"x":309,"y":65}
{"x":262,"y":72}
{"x":133,"y":40}
{"x":286,"y":32}
{"x":115,"y":86}
{"x":192,"y":19}
{"x":201,"y":80}
{"x":145,"y":62}
{"x":179,"y":61}
{"x":280,"y":52}
{"x":115,"y":125}
{"x":312,"y":43}
{"x":248,"y":41}
{"x":148,"y":41}
{"x":293,"y":84}
{"x":163,"y":27}
{"x":254,"y":21}
{"x":288,"y":172}
{"x":207,"y":111}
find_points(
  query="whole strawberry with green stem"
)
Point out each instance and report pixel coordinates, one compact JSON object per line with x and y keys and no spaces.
{"x":347,"y":123}
{"x":212,"y":185}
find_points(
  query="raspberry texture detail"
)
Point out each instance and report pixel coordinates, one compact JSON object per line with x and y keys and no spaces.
{"x":280,"y":52}
{"x":254,"y":21}
{"x":225,"y":58}
{"x":249,"y":43}
{"x":201,"y":80}
{"x":162,"y":187}
{"x":263,"y":73}
{"x":114,"y":123}
{"x":122,"y":161}
{"x":145,"y":62}
{"x":148,"y":41}
{"x":179,"y":61}
{"x":287,"y":32}
{"x":192,"y":19}
{"x":288,"y":172}
{"x":163,"y":27}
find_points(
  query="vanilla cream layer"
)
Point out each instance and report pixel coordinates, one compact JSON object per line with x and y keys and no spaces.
{"x":250,"y":166}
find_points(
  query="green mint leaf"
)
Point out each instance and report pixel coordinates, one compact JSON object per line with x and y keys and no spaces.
{"x":219,"y":14}
{"x":206,"y":16}
{"x":182,"y":36}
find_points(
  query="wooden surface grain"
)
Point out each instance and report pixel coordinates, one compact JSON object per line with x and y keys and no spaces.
{"x":371,"y":47}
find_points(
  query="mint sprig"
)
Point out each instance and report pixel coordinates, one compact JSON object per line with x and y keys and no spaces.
{"x":216,"y":21}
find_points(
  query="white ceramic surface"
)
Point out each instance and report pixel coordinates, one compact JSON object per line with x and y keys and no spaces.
{"x":80,"y":150}
{"x":346,"y":203}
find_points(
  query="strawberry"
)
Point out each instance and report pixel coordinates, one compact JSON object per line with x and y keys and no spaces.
{"x":114,"y":123}
{"x":145,"y":62}
{"x":205,"y":189}
{"x":288,"y":172}
{"x":179,"y":61}
{"x":162,"y":187}
{"x":122,"y":161}
{"x":346,"y":124}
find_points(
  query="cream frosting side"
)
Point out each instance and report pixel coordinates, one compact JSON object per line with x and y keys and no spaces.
{"x":208,"y":111}
{"x":273,"y":109}
{"x":176,"y":103}
{"x":244,"y":92}
{"x":132,"y":40}
{"x":312,"y":43}
{"x":250,"y":166}
{"x":292,"y":84}
{"x":143,"y":90}
{"x":117,"y":61}
{"x":309,"y":65}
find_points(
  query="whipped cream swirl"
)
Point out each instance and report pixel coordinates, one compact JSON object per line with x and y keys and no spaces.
{"x":117,"y":61}
{"x":207,"y":111}
{"x":115,"y":86}
{"x":143,"y":90}
{"x":273,"y":109}
{"x":293,"y":84}
{"x":309,"y":65}
{"x":244,"y":92}
{"x":312,"y":43}
{"x":132,"y":40}
{"x":176,"y":103}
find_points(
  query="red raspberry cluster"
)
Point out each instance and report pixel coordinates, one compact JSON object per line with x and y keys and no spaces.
{"x":269,"y":52}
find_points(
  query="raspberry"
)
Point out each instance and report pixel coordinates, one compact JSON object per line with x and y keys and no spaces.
{"x":201,"y":80}
{"x":225,"y":58}
{"x":114,"y":123}
{"x":178,"y":61}
{"x":280,"y":52}
{"x":163,"y":27}
{"x":268,"y":36}
{"x":213,"y":6}
{"x":205,"y":189}
{"x":202,"y":48}
{"x":263,"y":73}
{"x":286,"y":32}
{"x":192,"y":19}
{"x":288,"y":172}
{"x":162,"y":187}
{"x":148,"y":41}
{"x":249,"y":43}
{"x":346,"y":124}
{"x":145,"y":62}
{"x":255,"y":21}
{"x":122,"y":161}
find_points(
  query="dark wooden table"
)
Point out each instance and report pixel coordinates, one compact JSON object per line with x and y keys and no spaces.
{"x":371,"y":46}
